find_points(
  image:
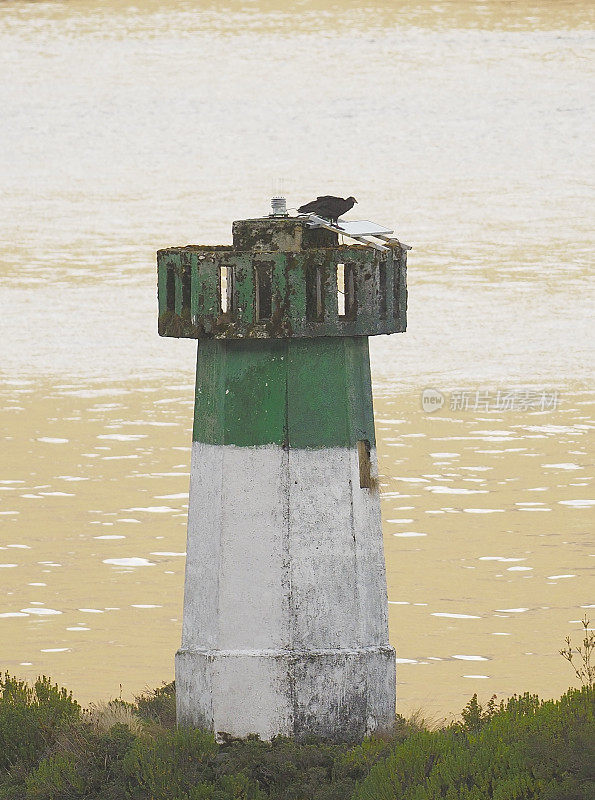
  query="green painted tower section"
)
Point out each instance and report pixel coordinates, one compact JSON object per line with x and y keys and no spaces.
{"x":306,"y":393}
{"x":285,"y":611}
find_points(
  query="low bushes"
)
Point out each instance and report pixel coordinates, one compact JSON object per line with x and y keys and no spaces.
{"x":51,"y":749}
{"x":520,"y":750}
{"x":30,"y":717}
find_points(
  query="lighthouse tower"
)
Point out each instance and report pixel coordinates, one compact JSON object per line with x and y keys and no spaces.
{"x":285,"y":609}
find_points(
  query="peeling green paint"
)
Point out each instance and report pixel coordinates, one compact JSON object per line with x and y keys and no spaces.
{"x":294,"y":393}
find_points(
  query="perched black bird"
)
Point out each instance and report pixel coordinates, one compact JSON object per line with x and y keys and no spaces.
{"x":328,"y":207}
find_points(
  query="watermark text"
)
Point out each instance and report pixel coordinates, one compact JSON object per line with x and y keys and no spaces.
{"x":498,"y":400}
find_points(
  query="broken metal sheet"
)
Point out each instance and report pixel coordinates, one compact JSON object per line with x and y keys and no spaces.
{"x":360,"y":230}
{"x":318,"y":222}
{"x":363,"y":228}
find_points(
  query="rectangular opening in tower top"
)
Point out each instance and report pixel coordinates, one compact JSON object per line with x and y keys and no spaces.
{"x":341,"y":290}
{"x":186,"y":291}
{"x":345,"y":290}
{"x":382,"y":289}
{"x":225,"y":289}
{"x":170,"y":290}
{"x":314,"y":295}
{"x":263,"y":295}
{"x":396,"y":289}
{"x":349,"y":290}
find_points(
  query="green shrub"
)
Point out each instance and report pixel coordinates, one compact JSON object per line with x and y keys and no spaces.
{"x":183,"y":764}
{"x":30,"y":717}
{"x":173,"y":763}
{"x":158,"y":705}
{"x":101,"y":757}
{"x":55,"y":777}
{"x":357,"y":761}
{"x":228,"y":787}
{"x":522,"y":750}
{"x":560,"y":746}
{"x":288,"y":770}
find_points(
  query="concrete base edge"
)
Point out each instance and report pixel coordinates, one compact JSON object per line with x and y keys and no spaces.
{"x":338,"y":694}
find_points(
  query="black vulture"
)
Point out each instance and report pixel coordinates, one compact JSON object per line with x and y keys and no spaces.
{"x":328,"y":207}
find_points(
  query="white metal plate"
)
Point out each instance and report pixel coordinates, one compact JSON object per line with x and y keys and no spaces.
{"x":362,"y":228}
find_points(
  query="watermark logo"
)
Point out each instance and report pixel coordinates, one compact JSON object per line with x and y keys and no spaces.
{"x":431,"y":400}
{"x":491,"y":400}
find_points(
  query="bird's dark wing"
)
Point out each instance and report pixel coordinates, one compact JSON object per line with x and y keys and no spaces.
{"x":327,"y":206}
{"x":309,"y":207}
{"x":324,"y":204}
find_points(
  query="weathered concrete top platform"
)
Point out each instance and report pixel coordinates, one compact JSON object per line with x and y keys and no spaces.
{"x":281,"y":279}
{"x":279,"y":234}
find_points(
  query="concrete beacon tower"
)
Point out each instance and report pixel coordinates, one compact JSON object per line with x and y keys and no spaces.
{"x":285,"y":609}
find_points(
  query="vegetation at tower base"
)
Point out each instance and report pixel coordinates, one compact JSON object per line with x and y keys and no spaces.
{"x":521,"y":749}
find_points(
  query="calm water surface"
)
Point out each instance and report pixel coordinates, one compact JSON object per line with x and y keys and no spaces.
{"x":127,"y":128}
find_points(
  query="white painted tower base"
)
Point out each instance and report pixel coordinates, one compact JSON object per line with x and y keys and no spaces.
{"x":285,"y":611}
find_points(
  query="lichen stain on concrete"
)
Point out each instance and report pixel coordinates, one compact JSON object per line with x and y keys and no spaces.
{"x":304,"y":648}
{"x":288,"y":270}
{"x":277,"y":246}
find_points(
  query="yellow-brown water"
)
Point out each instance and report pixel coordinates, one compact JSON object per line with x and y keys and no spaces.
{"x":129,"y":128}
